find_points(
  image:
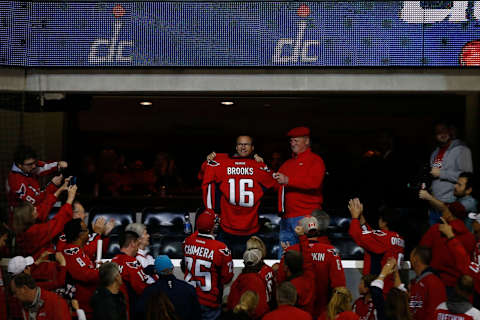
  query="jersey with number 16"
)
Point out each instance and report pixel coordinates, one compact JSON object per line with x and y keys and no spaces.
{"x":241,"y":183}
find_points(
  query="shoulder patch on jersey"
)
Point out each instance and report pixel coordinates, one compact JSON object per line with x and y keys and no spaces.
{"x":265,"y":168}
{"x":92,"y":237}
{"x":133,"y":264}
{"x":63,"y":237}
{"x":72,"y":251}
{"x":213,"y":163}
{"x":333,"y":251}
{"x":226,"y":251}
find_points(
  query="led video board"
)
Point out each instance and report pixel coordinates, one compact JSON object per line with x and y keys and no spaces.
{"x":240,"y":33}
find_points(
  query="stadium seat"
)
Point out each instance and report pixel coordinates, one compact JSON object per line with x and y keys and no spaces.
{"x":163,"y":221}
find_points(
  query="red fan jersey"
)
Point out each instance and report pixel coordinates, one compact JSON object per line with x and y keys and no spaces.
{"x":328,"y":272}
{"x":241,"y":183}
{"x":463,"y":262}
{"x":286,"y":312}
{"x":365,"y":310}
{"x":82,"y":270}
{"x":90,"y":248}
{"x":379,"y":246}
{"x":268,"y":275}
{"x":132,"y":272}
{"x":253,"y":282}
{"x":442,"y":313}
{"x":209,"y":266}
{"x":427,"y":291}
{"x":25,"y":187}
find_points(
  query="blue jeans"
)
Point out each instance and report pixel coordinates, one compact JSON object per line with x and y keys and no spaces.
{"x":287,"y":232}
{"x":434,"y":216}
{"x":209,"y":313}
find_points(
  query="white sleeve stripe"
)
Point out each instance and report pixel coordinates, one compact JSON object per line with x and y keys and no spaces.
{"x":209,"y":196}
{"x":283,"y":198}
{"x":46,"y":167}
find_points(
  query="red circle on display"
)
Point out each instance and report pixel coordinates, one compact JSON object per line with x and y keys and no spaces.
{"x":470,"y":55}
{"x":303,"y":11}
{"x":118,"y":11}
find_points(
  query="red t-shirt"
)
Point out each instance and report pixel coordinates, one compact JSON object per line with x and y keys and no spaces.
{"x":209,"y":266}
{"x":241,"y":182}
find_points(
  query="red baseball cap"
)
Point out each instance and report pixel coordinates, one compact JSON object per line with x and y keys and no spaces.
{"x":205,"y":221}
{"x":298,"y":132}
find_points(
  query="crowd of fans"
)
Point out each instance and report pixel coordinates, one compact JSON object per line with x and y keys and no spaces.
{"x":55,"y":270}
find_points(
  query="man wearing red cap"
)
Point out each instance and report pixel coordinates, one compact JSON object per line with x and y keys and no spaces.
{"x":207,"y":265}
{"x":301,"y":179}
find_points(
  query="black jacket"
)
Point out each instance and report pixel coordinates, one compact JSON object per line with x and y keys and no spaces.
{"x":108,"y":306}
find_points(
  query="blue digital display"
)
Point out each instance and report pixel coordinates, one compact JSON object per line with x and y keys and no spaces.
{"x":234,"y":33}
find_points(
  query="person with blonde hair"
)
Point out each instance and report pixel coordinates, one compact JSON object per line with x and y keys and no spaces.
{"x":247,"y":304}
{"x":340,"y":306}
{"x":265,"y":272}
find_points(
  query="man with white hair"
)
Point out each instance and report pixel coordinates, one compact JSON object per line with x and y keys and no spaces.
{"x":327,"y":264}
{"x":145,"y":259}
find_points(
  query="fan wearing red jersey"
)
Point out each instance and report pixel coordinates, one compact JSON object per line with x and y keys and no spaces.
{"x":326,"y":263}
{"x":241,"y":181}
{"x":364,"y":306}
{"x":133,"y":276}
{"x":207,"y":265}
{"x":458,"y":305}
{"x":23,"y":182}
{"x":266,"y":272}
{"x":81,"y":270}
{"x":286,"y":298}
{"x":379,"y":245}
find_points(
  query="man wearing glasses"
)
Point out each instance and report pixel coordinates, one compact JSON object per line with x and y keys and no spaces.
{"x":241,"y":180}
{"x":23,"y":182}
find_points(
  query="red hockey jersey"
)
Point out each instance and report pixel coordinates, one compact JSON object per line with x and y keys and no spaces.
{"x":379,"y":246}
{"x":132,"y":272}
{"x":241,"y":183}
{"x":442,"y":259}
{"x":209,"y":266}
{"x":426,"y":292}
{"x":82,"y":270}
{"x":328,"y":268}
{"x":90,"y":248}
{"x":442,"y":313}
{"x":25,"y":187}
{"x":268,"y":275}
{"x":463,"y":262}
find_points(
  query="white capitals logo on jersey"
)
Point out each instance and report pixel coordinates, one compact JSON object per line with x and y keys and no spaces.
{"x":72,"y":251}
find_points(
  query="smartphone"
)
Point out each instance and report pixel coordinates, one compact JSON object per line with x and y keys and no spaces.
{"x":73,"y":181}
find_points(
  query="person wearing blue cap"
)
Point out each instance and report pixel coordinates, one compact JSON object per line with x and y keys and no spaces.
{"x":182,"y":295}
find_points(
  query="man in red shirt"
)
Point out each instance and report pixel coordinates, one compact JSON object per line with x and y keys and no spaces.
{"x":241,"y":181}
{"x":207,"y":265}
{"x":326,"y":262}
{"x":427,"y":291}
{"x":286,"y":299}
{"x":301,"y":181}
{"x":297,"y":267}
{"x":22,"y":182}
{"x":379,"y":245}
{"x":442,"y":259}
{"x":133,"y":276}
{"x":38,"y":303}
{"x":81,"y":272}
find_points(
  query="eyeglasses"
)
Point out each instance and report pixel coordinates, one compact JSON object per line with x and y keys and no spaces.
{"x":243,"y":144}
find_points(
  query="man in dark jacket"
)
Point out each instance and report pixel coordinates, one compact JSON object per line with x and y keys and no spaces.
{"x":182,"y":295}
{"x":108,"y":302}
